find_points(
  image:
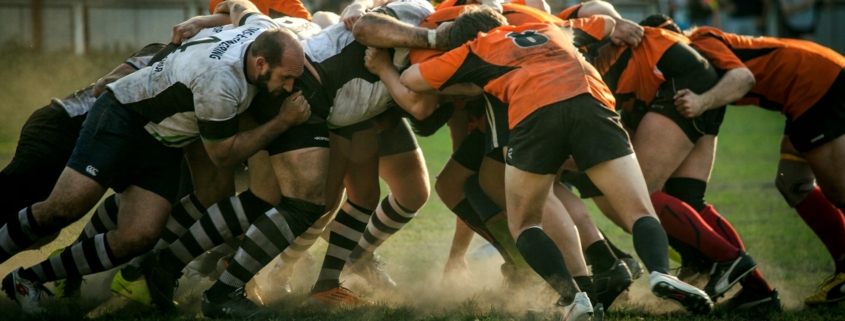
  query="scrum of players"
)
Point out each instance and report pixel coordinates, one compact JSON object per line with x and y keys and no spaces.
{"x":319,"y":111}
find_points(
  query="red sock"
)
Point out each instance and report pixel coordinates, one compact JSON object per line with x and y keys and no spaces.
{"x":754,"y":281}
{"x":721,"y":226}
{"x":827,"y":222}
{"x":683,"y":223}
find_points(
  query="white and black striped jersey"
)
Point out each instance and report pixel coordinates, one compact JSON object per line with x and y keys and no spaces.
{"x":197,"y":90}
{"x":80,"y":102}
{"x":303,"y":29}
{"x":356,"y":94}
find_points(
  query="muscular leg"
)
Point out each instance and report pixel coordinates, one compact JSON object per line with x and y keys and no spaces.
{"x":826,"y":161}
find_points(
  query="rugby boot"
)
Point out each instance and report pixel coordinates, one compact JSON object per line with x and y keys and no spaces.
{"x":831,"y":291}
{"x":669,"y":287}
{"x":369,"y":268}
{"x":634,"y":267}
{"x":204,"y":267}
{"x":238,"y":306}
{"x":724,"y":275}
{"x":579,"y":310}
{"x":136,"y":290}
{"x":336,"y":296}
{"x":161,"y":283}
{"x":747,"y":300}
{"x":27,"y":293}
{"x":609,"y":284}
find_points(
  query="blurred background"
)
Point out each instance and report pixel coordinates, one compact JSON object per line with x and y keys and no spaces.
{"x":110,"y":26}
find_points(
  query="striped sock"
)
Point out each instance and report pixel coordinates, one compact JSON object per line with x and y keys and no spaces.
{"x":346,"y":230}
{"x":223,"y":221}
{"x":103,"y":220}
{"x":265,"y":239}
{"x":19,"y":233}
{"x":87,"y":257}
{"x":185,"y":213}
{"x":390,"y":218}
{"x":302,"y":243}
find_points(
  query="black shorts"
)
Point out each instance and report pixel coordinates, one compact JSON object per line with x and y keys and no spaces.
{"x":580,"y":126}
{"x":46,"y":143}
{"x":115,"y":150}
{"x":582,"y":182}
{"x":471,"y":151}
{"x":496,"y":131}
{"x":823,"y":122}
{"x":349,"y":131}
{"x":305,"y":135}
{"x":397,"y":140}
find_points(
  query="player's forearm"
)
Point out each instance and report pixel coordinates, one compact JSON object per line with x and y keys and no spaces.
{"x":595,"y":7}
{"x":239,"y":8}
{"x":214,"y":20}
{"x":245,"y":144}
{"x":730,"y":88}
{"x":381,"y":31}
{"x":417,"y":104}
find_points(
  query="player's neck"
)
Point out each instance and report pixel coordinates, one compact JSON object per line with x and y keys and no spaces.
{"x":250,"y":68}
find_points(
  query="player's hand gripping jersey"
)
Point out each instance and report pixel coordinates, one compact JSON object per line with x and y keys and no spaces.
{"x":197,"y":90}
{"x":357,"y":94}
{"x":792,"y":75}
{"x":527,"y":67}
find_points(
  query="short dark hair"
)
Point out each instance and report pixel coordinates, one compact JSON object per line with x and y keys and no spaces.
{"x":271,"y":44}
{"x":659,"y":20}
{"x":473,"y":20}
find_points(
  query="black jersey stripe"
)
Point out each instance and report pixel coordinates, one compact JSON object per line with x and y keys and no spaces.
{"x":177,"y":98}
{"x":748,"y":54}
{"x":611,"y":77}
{"x":477,"y":71}
{"x":213,"y":131}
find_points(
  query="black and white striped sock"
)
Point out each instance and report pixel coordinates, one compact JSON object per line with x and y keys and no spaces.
{"x":304,"y":242}
{"x":223,"y":221}
{"x":390,"y":217}
{"x":103,"y":220}
{"x":265,"y":239}
{"x":346,"y":230}
{"x":87,"y":257}
{"x":185,"y":213}
{"x":19,"y":233}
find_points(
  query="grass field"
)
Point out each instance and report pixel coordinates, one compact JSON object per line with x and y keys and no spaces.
{"x":741,"y":188}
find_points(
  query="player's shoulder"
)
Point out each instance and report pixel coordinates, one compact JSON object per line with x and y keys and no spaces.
{"x":410,"y":11}
{"x":303,"y":28}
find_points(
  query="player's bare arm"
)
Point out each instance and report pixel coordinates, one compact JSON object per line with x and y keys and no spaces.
{"x":627,"y":32}
{"x":236,"y":149}
{"x":118,"y":72}
{"x":192,"y":26}
{"x":419,"y":105}
{"x":382,"y":31}
{"x":237,"y":9}
{"x":413,"y":80}
{"x":730,"y":88}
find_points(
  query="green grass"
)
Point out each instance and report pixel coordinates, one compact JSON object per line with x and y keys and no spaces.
{"x":741,"y":188}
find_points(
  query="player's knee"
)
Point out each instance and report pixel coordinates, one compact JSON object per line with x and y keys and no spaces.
{"x":795,"y":180}
{"x":448,"y":189}
{"x":58,"y":215}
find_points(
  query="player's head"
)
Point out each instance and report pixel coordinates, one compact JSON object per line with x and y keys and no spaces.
{"x":659,"y":20}
{"x":279,"y":60}
{"x":473,"y":20}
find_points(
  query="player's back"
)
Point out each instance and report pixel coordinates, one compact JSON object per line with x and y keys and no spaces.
{"x":791,"y":74}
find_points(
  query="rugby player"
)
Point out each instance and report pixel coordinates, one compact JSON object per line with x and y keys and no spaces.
{"x":190,"y":102}
{"x":526,"y":192}
{"x":807,"y":89}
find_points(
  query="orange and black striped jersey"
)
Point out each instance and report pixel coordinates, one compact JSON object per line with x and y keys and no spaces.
{"x":585,"y":30}
{"x":632,"y":72}
{"x":527,"y":67}
{"x":792,"y":75}
{"x":274,"y":8}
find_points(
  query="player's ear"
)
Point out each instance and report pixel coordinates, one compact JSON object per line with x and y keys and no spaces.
{"x":260,"y":63}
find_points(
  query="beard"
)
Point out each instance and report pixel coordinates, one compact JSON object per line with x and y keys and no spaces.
{"x":262,"y":81}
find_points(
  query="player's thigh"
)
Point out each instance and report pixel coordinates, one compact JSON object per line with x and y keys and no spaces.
{"x":211,"y":182}
{"x":491,"y":177}
{"x":606,"y":208}
{"x":450,"y":183}
{"x":661,"y":147}
{"x":302,"y":173}
{"x":407,"y":176}
{"x":826,"y":162}
{"x":140,"y":221}
{"x":361,"y":179}
{"x":339,"y":148}
{"x":699,"y":162}
{"x":262,"y":178}
{"x":526,"y":195}
{"x":72,"y":197}
{"x":622,"y":183}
